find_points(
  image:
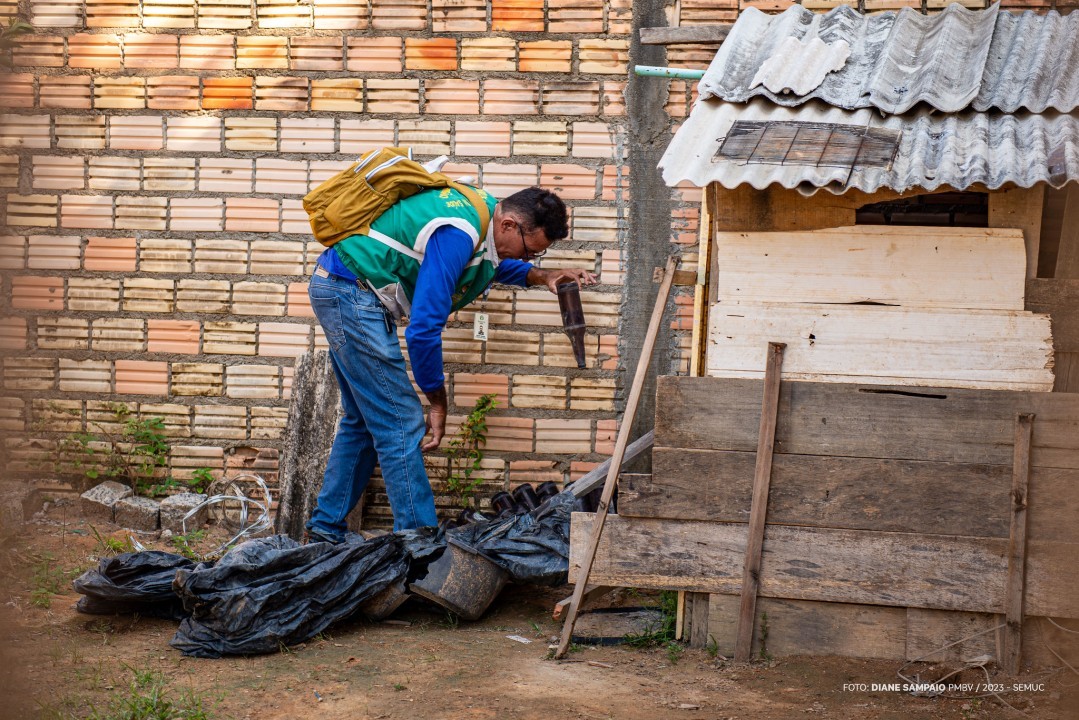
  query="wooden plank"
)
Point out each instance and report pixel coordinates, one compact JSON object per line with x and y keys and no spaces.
{"x":696,"y":618}
{"x":849,"y":493}
{"x":1017,"y":545}
{"x":594,"y":592}
{"x":683,"y":35}
{"x":803,"y":627}
{"x":758,"y":510}
{"x":894,"y":569}
{"x":853,"y":494}
{"x":989,"y":349}
{"x":619,"y":452}
{"x":700,"y":292}
{"x":940,"y":424}
{"x":1067,"y":373}
{"x":939,"y":267}
{"x":929,"y":631}
{"x":1067,"y":266}
{"x":1060,"y":300}
{"x":1020,"y":208}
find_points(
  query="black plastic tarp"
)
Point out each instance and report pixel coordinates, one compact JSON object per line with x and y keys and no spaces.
{"x":533,"y":547}
{"x":274,"y":592}
{"x":137,"y":582}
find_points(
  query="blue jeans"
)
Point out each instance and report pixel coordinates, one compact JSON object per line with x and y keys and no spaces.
{"x":383,"y":419}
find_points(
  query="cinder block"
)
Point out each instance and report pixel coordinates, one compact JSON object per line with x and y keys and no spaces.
{"x":137,"y":513}
{"x":175,"y":507}
{"x":98,"y":502}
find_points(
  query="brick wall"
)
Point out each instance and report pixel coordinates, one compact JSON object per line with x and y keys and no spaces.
{"x":152,"y":160}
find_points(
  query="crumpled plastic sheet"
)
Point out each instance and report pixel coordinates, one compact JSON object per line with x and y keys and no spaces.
{"x":272,"y":592}
{"x":137,"y":582}
{"x":533,"y":547}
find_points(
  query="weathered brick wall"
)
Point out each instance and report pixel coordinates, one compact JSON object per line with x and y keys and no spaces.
{"x":153,"y":156}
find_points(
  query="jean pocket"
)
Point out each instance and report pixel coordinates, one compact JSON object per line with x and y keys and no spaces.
{"x":328,"y":312}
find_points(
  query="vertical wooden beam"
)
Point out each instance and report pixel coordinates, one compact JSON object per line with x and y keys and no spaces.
{"x":700,"y":291}
{"x":697,"y":619}
{"x":680,"y":615}
{"x":1017,"y":545}
{"x":1067,"y":266}
{"x":758,"y":509}
{"x":1020,"y":208}
{"x":619,"y":450}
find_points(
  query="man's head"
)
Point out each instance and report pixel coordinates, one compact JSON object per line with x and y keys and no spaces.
{"x":527,"y":222}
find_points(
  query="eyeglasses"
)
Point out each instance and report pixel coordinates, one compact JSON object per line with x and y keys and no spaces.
{"x":528,"y":254}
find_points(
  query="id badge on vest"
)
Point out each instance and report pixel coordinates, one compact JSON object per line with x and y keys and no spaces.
{"x":481,"y":321}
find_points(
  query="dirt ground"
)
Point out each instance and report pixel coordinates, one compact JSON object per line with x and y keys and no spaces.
{"x":57,"y":663}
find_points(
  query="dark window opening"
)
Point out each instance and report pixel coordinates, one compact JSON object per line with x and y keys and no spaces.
{"x":948,"y":209}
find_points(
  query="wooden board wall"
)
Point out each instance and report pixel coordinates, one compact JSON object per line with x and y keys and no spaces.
{"x":992,"y":349}
{"x":892,"y":265}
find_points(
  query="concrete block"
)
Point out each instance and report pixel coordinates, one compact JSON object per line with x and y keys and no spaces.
{"x":137,"y":513}
{"x":175,"y":507}
{"x":98,"y":502}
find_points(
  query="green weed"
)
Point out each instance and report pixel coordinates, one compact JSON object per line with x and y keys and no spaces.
{"x":149,"y":697}
{"x":47,"y":581}
{"x":185,"y":544}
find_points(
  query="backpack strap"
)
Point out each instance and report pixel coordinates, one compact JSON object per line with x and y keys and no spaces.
{"x":477,"y":203}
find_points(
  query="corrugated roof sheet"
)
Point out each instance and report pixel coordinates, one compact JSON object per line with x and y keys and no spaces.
{"x":934,"y":150}
{"x":952,"y":60}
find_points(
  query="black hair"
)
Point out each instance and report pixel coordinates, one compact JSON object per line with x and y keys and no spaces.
{"x":539,"y":208}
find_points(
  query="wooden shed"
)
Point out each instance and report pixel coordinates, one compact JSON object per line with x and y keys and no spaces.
{"x":912,"y":237}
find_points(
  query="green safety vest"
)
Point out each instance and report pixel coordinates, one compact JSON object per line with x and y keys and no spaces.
{"x":388,"y":257}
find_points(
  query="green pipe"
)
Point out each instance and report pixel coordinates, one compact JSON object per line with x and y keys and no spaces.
{"x":653,"y":71}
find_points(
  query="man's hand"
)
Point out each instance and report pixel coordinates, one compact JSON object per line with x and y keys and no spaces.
{"x":436,"y":418}
{"x":553,"y":278}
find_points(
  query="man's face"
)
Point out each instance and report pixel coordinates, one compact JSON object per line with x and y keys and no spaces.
{"x":512,"y":240}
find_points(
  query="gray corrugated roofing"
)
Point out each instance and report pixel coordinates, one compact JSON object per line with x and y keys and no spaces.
{"x":935,"y":150}
{"x":952,"y":60}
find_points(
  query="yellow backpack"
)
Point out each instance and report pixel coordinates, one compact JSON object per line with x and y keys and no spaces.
{"x":351,"y":200}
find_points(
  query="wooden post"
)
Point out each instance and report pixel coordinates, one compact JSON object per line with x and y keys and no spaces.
{"x":758,"y":510}
{"x":619,"y":449}
{"x":1017,"y":545}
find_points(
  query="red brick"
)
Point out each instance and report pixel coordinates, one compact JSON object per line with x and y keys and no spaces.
{"x":571,"y":98}
{"x":575,"y":16}
{"x":393,"y":96}
{"x":510,"y":97}
{"x":467,"y":387}
{"x":458,"y":15}
{"x":173,"y":336}
{"x":86,"y":211}
{"x":119,"y":93}
{"x":208,"y":52}
{"x":142,"y":377}
{"x":65,"y":91}
{"x":337,"y":95}
{"x":430,"y":54}
{"x":173,"y":92}
{"x":109,"y":254}
{"x":252,"y":215}
{"x":545,"y":56}
{"x":377,"y":54}
{"x":276,"y":92}
{"x":488,"y":54}
{"x":616,"y":184}
{"x":262,"y":52}
{"x":100,"y":52}
{"x":17,"y":89}
{"x":39,"y":51}
{"x":151,"y":51}
{"x":341,"y":14}
{"x":228,"y":175}
{"x":517,"y":15}
{"x":482,"y":139}
{"x":317,"y":53}
{"x":452,"y":97}
{"x":571,"y":182}
{"x":37,"y":293}
{"x":228,"y":93}
{"x":603,"y":56}
{"x":399,"y":15}
{"x":299,"y":304}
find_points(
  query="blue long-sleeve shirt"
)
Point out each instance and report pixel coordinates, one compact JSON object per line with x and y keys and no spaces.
{"x":448,"y":252}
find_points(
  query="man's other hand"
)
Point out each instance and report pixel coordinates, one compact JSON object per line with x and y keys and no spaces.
{"x":436,"y":418}
{"x":555,"y":277}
